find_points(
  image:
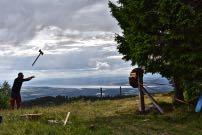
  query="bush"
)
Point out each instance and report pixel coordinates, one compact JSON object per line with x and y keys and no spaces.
{"x":192,"y":90}
{"x":5,"y":91}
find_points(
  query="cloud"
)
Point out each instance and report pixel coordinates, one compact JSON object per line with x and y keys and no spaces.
{"x":20,"y":20}
{"x":115,"y":57}
{"x":75,"y":35}
{"x":102,"y":65}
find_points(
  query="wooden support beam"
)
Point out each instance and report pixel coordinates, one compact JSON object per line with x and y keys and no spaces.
{"x":141,"y":93}
{"x":153,"y":100}
{"x":142,"y":103}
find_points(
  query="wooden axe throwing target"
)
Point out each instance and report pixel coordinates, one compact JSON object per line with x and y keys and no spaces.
{"x":133,"y":78}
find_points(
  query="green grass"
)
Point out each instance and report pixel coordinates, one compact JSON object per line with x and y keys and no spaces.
{"x":104,"y":117}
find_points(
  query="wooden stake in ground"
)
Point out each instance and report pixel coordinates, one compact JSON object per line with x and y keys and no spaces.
{"x":1,"y":119}
{"x":66,"y":119}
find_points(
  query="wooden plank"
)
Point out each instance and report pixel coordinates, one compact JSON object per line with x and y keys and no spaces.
{"x":153,"y":100}
{"x":31,"y":116}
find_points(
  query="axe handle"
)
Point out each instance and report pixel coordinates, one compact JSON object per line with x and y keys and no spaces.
{"x":36,"y":59}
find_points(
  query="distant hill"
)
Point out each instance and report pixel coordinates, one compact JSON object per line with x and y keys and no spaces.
{"x":90,"y":86}
{"x":94,"y":80}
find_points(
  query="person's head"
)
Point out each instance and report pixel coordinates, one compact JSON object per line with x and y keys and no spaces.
{"x":20,"y":75}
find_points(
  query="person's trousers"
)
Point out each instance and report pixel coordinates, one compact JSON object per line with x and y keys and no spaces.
{"x":15,"y":99}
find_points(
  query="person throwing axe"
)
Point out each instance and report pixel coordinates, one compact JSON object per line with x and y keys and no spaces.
{"x":15,"y":94}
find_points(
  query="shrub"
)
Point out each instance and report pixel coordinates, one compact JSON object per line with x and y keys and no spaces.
{"x":5,"y":91}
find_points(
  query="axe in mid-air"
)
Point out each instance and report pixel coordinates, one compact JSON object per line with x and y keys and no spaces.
{"x":40,"y":53}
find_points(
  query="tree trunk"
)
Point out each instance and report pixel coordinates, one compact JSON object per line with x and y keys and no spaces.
{"x":178,"y":90}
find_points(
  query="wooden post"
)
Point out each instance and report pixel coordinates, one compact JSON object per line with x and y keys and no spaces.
{"x":101,"y":92}
{"x":1,"y":119}
{"x":141,"y":93}
{"x":120,"y":91}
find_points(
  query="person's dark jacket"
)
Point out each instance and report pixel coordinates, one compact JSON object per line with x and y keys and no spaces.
{"x":18,"y":84}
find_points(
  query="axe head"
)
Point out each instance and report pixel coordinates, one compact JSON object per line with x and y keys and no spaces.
{"x":41,"y":52}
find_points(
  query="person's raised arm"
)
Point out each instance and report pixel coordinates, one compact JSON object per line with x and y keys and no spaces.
{"x":29,"y":78}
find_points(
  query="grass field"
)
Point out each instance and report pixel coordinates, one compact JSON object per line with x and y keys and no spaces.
{"x":104,"y":117}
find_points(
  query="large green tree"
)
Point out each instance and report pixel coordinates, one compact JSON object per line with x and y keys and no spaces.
{"x":163,"y":36}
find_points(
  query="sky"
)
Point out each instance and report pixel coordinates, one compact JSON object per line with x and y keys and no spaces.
{"x":76,"y":36}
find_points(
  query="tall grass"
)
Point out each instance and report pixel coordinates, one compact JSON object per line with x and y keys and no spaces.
{"x":104,"y":117}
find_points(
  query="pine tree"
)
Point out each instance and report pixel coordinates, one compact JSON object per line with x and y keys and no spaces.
{"x":5,"y":88}
{"x":163,"y":36}
{"x":5,"y":91}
